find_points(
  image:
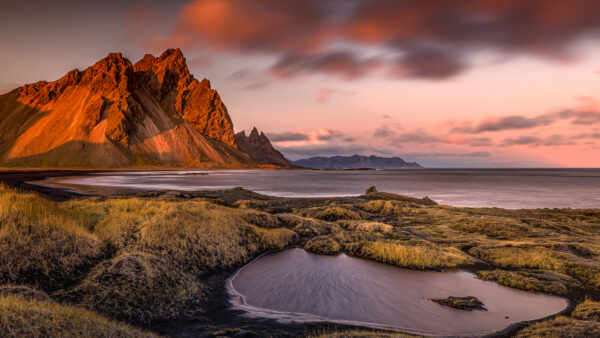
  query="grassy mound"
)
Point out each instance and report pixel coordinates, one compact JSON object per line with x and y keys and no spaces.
{"x":308,"y":227}
{"x":163,"y":248}
{"x":324,"y":245}
{"x":40,"y":244}
{"x":587,"y":310}
{"x":23,"y":292}
{"x":538,"y":257}
{"x":367,"y":226}
{"x":138,"y":287}
{"x":409,"y":256}
{"x":336,"y":214}
{"x":382,"y":207}
{"x":26,"y":318}
{"x":196,"y":236}
{"x":561,"y":327}
{"x":528,"y":281}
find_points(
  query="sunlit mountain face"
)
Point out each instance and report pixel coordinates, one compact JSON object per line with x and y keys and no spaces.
{"x":453,"y":84}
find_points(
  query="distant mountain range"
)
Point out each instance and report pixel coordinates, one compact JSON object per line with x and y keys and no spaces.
{"x":356,"y":161}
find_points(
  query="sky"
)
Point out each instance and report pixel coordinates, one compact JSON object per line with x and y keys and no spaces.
{"x":471,"y":83}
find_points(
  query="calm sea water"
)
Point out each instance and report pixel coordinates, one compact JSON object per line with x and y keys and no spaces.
{"x":294,"y":285}
{"x":506,"y":188}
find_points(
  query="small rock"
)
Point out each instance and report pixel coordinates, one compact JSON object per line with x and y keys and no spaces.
{"x":463,"y":303}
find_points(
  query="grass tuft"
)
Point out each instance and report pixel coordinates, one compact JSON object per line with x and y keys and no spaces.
{"x":337,"y":213}
{"x":28,"y":318}
{"x":410,"y":256}
{"x":40,"y":244}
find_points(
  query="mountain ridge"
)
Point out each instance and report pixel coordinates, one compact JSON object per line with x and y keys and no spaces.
{"x":259,"y":147}
{"x":355,"y":162}
{"x":119,"y":114}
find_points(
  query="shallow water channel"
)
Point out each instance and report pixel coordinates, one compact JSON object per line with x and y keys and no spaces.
{"x":294,"y":285}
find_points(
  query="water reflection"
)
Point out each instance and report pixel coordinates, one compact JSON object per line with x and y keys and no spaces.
{"x":294,"y":285}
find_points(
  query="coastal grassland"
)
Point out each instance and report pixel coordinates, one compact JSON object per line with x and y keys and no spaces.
{"x":41,"y":244}
{"x":162,"y":250}
{"x":561,"y":326}
{"x":583,"y":322}
{"x":541,"y":281}
{"x":28,"y":318}
{"x":161,"y":257}
{"x":341,"y":333}
{"x":417,"y":256}
{"x":587,"y":310}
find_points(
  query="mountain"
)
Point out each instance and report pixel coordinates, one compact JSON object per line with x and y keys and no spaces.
{"x":260,"y":148}
{"x":356,"y":161}
{"x":119,"y":114}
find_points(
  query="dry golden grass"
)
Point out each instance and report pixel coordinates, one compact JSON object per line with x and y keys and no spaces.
{"x":163,"y":246}
{"x":367,"y":226}
{"x":410,"y":256}
{"x":138,"y":287}
{"x":382,"y":207}
{"x":26,"y":318}
{"x":340,"y":333}
{"x":536,"y":257}
{"x":528,"y":281}
{"x":308,"y":227}
{"x":40,"y":244}
{"x":336,"y":214}
{"x":561,"y":327}
{"x":24,"y":292}
{"x":195,"y":235}
{"x":148,"y":259}
{"x":323,"y":245}
{"x":587,"y":310}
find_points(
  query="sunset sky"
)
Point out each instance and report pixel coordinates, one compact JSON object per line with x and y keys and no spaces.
{"x":473,"y":83}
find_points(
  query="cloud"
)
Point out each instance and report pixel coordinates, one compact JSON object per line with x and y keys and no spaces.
{"x":480,"y":142}
{"x":595,"y":135}
{"x":552,"y":140}
{"x":287,"y":136}
{"x":241,"y":74}
{"x":579,"y":117}
{"x":428,"y":39}
{"x":383,"y":131}
{"x":516,"y":122}
{"x":417,"y":136}
{"x":330,"y":135}
{"x":324,"y":94}
{"x":507,"y":123}
{"x":343,"y":63}
{"x":428,"y":63}
{"x":256,"y":85}
{"x":452,"y":155}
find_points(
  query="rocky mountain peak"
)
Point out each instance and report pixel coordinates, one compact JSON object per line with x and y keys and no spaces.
{"x":259,"y":147}
{"x":127,"y":104}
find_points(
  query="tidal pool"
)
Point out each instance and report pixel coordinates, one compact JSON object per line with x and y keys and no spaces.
{"x":294,"y":285}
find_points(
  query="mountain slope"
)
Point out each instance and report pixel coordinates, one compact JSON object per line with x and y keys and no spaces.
{"x":356,"y":161}
{"x":260,"y":148}
{"x":116,"y":114}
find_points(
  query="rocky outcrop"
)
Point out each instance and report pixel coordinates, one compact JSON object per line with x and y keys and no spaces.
{"x":258,"y":146}
{"x":356,"y":161}
{"x":116,"y":113}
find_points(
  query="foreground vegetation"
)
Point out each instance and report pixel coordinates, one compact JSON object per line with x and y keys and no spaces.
{"x":158,"y":258}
